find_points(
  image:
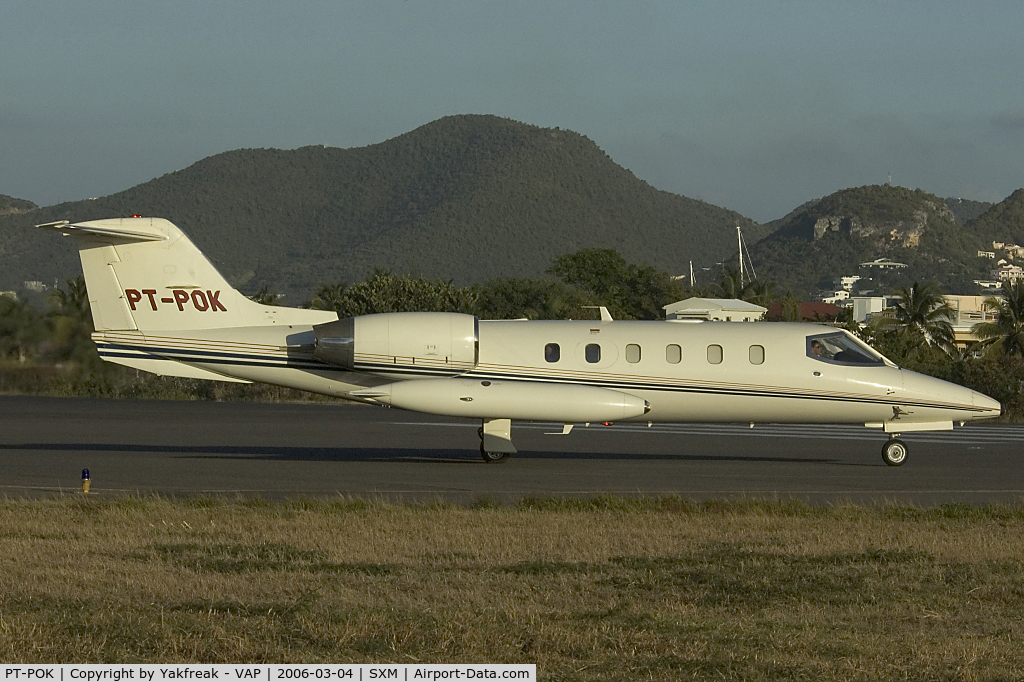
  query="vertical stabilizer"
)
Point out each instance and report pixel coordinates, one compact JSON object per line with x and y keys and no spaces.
{"x":146,"y":274}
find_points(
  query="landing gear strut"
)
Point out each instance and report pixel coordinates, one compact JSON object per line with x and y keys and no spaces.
{"x":894,"y":453}
{"x":496,"y":440}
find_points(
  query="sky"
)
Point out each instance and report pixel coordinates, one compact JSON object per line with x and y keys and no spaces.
{"x":754,"y":106}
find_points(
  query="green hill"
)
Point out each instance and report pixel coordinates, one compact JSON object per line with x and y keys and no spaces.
{"x":1002,"y":222}
{"x":10,"y":205}
{"x":830,"y":237}
{"x":466,"y":198}
{"x":966,"y":210}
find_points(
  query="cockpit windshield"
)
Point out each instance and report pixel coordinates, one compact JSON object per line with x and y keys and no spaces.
{"x":841,"y":349}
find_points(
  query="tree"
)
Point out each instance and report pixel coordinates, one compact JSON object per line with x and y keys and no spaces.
{"x":728,"y":285}
{"x":791,"y":309}
{"x":759,"y":292}
{"x":71,"y":324}
{"x":21,"y":329}
{"x":329,"y":296}
{"x":510,"y":298}
{"x":264,"y":297}
{"x":630,"y":291}
{"x":1007,"y":331}
{"x":920,"y":316}
{"x":385,"y":292}
{"x":72,"y":301}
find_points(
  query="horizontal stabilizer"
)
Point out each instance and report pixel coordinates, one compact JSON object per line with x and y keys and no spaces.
{"x":134,"y":234}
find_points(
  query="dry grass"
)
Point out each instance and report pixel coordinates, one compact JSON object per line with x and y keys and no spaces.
{"x":596,"y":589}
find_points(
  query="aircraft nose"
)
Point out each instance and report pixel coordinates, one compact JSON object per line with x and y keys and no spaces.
{"x":992,"y":407}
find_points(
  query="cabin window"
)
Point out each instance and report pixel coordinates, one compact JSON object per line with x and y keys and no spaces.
{"x":592,"y":352}
{"x":673,"y":353}
{"x":715,"y":354}
{"x":632,"y":352}
{"x":839,"y":348}
{"x":757,"y":355}
{"x":552,"y":352}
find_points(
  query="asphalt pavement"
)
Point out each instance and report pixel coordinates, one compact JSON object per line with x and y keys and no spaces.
{"x":284,"y":450}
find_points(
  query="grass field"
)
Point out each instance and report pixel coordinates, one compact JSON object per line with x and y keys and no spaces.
{"x":602,"y":589}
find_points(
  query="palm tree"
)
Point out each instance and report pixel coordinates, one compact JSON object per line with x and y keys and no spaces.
{"x":72,"y":301}
{"x":920,"y":316}
{"x":1008,"y":329}
{"x":759,"y":293}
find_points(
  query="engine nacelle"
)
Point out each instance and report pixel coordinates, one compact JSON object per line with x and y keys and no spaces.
{"x":413,"y":343}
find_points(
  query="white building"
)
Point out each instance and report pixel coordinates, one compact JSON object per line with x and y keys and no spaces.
{"x":846,"y":282}
{"x":721,"y":309}
{"x":1008,"y":273}
{"x":836,"y":296}
{"x":883,"y":264}
{"x":969,"y":311}
{"x":987,"y":254}
{"x":866,"y":306}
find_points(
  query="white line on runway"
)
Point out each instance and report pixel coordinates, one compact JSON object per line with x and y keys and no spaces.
{"x":969,"y":434}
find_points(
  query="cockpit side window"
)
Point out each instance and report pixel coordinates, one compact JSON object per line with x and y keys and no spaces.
{"x":839,"y":349}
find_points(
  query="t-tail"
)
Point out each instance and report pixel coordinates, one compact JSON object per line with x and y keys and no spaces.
{"x":145,"y":274}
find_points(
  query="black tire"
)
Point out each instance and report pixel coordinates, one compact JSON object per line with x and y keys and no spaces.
{"x":493,"y":457}
{"x":894,"y":453}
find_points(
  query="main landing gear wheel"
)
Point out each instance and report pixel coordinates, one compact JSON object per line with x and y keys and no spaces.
{"x":493,"y":457}
{"x":490,"y":457}
{"x":894,"y":453}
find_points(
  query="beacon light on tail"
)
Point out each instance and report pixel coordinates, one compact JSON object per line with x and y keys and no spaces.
{"x":159,"y":305}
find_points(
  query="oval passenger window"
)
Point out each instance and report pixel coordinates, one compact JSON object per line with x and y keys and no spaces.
{"x":673,"y":353}
{"x":715,"y":354}
{"x":757,"y":355}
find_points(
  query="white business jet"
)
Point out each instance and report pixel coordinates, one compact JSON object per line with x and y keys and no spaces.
{"x":159,"y":305}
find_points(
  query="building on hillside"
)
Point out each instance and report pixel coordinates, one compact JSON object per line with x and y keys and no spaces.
{"x":719,"y":309}
{"x":883,"y":264}
{"x":998,"y":245}
{"x":13,"y":295}
{"x":846,"y":282}
{"x":809,"y":311}
{"x":987,"y":254}
{"x":1008,"y":273}
{"x":35,"y":285}
{"x":969,"y":311}
{"x":866,"y":306}
{"x":988,"y":283}
{"x":835,"y":297}
{"x":1014,"y":251}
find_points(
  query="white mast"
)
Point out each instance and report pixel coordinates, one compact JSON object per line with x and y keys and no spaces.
{"x":739,"y":243}
{"x":693,"y":282}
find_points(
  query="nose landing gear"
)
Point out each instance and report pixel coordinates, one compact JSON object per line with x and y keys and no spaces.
{"x":894,"y":452}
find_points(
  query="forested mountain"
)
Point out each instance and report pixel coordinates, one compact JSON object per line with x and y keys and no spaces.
{"x":966,"y":210}
{"x":1002,"y":222}
{"x":830,"y":237}
{"x":9,"y":205}
{"x":465,"y":198}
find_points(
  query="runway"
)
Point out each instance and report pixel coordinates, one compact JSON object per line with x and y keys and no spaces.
{"x":286,"y":450}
